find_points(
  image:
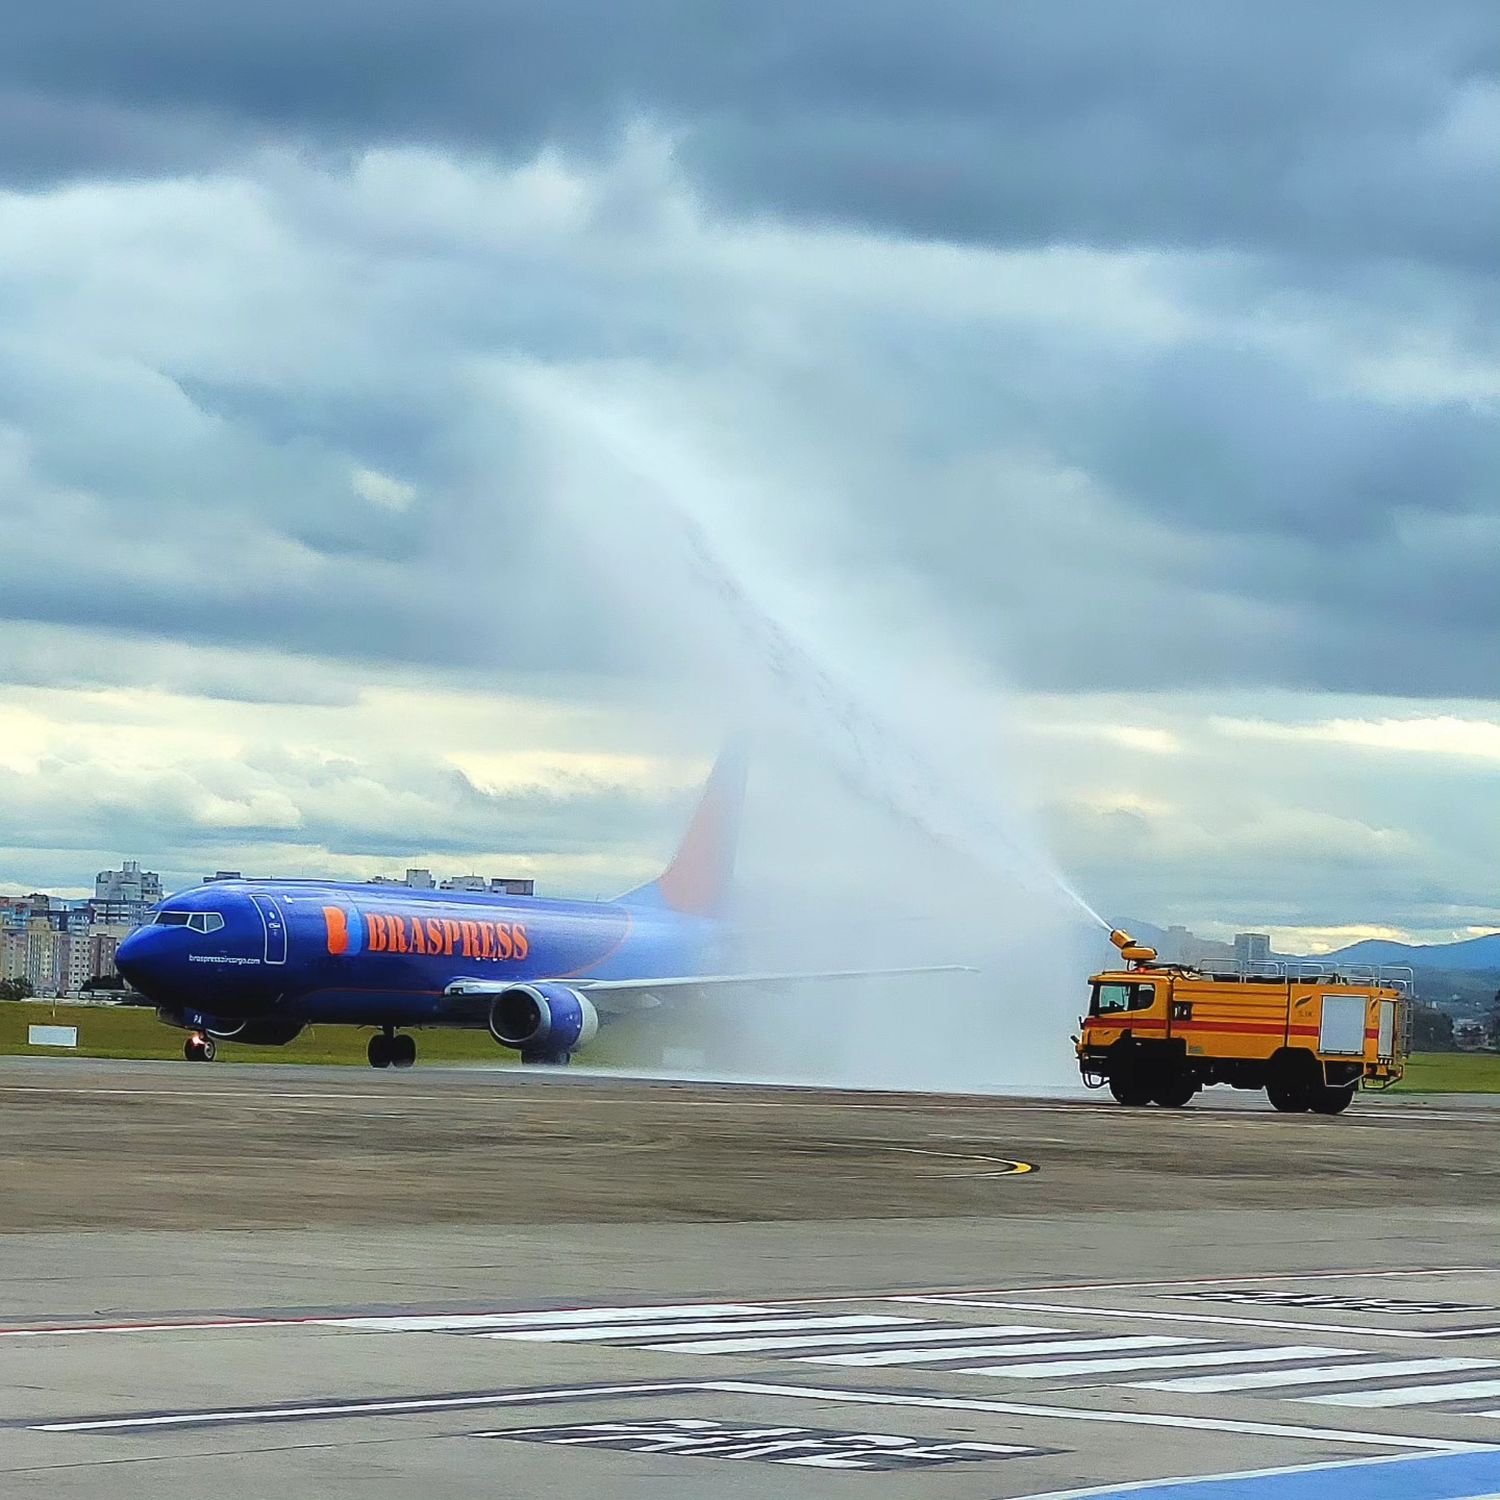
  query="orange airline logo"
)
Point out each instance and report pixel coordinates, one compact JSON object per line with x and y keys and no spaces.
{"x":393,"y":932}
{"x":338,"y":929}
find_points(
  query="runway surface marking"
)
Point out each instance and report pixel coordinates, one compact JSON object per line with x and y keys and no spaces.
{"x":1424,"y":1395}
{"x":1198,"y":1361}
{"x":1094,"y":1414}
{"x":476,"y":1400}
{"x":806,"y":1447}
{"x":1486,"y":1331}
{"x":1399,"y":1307}
{"x":380,"y":1406}
{"x":873,"y":1358}
{"x":216,"y":1323}
{"x":1315,"y":1375}
{"x":1404,"y":1273}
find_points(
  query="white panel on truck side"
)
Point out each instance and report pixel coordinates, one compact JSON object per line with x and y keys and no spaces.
{"x":1341,"y":1032}
{"x":1386,"y":1047}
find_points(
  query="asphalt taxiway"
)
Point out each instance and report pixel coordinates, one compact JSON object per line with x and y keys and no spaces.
{"x":338,"y":1282}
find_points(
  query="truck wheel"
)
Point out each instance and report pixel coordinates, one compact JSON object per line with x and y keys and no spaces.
{"x":1128,"y":1089}
{"x":1175,"y":1090}
{"x":1328,"y":1101}
{"x":1287,"y":1095}
{"x":1294,"y":1081}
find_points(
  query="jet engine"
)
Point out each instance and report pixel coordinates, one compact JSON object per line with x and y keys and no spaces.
{"x":542,"y":1019}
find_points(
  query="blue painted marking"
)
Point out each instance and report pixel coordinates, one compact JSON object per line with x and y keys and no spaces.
{"x":1445,"y":1476}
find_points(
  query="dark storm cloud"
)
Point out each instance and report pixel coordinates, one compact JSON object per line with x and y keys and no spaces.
{"x":329,"y":321}
{"x":1341,"y":127}
{"x":1219,"y":438}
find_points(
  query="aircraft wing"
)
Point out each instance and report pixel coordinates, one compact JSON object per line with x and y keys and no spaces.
{"x":617,"y":995}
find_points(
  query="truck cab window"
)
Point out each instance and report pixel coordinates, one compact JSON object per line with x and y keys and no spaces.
{"x":1111,"y":999}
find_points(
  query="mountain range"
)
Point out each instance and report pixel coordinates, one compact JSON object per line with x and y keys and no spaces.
{"x":1470,"y":955}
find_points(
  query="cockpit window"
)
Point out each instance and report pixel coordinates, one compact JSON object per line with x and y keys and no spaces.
{"x":197,"y":921}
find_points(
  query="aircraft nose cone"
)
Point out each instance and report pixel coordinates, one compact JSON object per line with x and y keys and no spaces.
{"x":132,"y":959}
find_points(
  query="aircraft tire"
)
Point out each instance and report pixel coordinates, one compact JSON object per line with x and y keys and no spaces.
{"x":199,"y":1049}
{"x":546,"y":1059}
{"x":403,"y":1051}
{"x":379,"y":1050}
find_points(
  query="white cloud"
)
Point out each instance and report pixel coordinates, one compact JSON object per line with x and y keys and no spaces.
{"x":1152,"y":740}
{"x":382,"y":489}
{"x":1475,"y":739}
{"x":334,"y":788}
{"x":1315,"y":940}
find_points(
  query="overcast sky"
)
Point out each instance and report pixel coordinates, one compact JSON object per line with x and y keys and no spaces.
{"x":1150,"y":353}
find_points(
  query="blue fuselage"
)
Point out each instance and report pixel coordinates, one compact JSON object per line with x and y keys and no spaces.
{"x":292,"y":953}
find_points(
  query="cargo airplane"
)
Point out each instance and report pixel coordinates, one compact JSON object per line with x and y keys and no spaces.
{"x":257,"y":961}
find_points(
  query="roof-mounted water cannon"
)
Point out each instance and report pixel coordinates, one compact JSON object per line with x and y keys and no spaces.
{"x":1130,"y":950}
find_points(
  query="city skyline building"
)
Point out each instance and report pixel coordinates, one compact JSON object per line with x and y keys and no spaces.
{"x":126,"y":894}
{"x":1252,"y":949}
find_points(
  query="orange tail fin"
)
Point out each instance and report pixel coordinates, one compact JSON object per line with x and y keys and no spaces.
{"x":698,"y":879}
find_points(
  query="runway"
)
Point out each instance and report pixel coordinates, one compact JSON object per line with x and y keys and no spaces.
{"x":348,"y":1283}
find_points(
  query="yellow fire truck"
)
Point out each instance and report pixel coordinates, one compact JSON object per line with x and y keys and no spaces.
{"x":1306,"y":1032}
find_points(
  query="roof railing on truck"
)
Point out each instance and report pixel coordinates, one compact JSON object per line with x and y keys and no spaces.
{"x":1399,"y":977}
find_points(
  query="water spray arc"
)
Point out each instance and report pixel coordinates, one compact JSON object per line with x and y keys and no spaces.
{"x":871,"y":752}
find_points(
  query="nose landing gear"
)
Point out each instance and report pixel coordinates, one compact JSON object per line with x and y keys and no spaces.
{"x":199,"y":1048}
{"x":388,"y":1050}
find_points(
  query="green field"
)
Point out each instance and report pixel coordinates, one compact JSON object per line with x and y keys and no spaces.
{"x":129,"y":1031}
{"x":126,"y":1031}
{"x":1452,"y":1073}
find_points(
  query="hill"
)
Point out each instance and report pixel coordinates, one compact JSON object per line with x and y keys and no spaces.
{"x":1469,"y":955}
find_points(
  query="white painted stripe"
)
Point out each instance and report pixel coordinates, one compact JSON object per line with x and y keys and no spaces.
{"x":1319,"y":1375}
{"x":1049,"y":1368}
{"x":354,"y":1408}
{"x":983,"y":1351}
{"x":458,"y":1322}
{"x":1411,"y":1395}
{"x":1284,"y":1324}
{"x":216,"y":1325}
{"x":923,"y":1335}
{"x":1090,"y":1414}
{"x":670,"y":1330}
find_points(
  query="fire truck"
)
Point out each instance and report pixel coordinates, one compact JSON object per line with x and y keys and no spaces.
{"x":1309,"y":1033}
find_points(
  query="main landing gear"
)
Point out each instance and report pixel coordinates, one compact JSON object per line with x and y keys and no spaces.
{"x":388,"y":1050}
{"x":199,"y":1048}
